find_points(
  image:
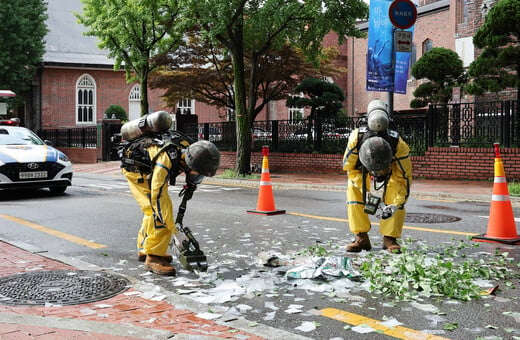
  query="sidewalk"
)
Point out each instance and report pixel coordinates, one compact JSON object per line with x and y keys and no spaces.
{"x":441,"y":189}
{"x":131,"y":314}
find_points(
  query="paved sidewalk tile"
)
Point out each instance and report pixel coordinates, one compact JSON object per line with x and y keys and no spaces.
{"x":127,"y":308}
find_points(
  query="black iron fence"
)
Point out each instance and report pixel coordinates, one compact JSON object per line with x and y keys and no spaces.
{"x":85,"y":137}
{"x":468,"y":124}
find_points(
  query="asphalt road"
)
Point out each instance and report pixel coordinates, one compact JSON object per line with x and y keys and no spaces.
{"x":96,"y":222}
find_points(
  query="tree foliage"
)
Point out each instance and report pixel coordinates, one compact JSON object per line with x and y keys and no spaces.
{"x":441,"y":69}
{"x":117,"y":112}
{"x":251,"y":28}
{"x":22,"y":34}
{"x":324,"y":98}
{"x":202,"y":71}
{"x":498,"y":65}
{"x":133,"y":32}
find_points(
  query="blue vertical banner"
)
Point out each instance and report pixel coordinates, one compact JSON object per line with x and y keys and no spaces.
{"x":380,"y":73}
{"x":402,"y":64}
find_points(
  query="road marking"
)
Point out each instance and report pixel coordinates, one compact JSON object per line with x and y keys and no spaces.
{"x":404,"y":227}
{"x":398,"y":332}
{"x":53,"y":232}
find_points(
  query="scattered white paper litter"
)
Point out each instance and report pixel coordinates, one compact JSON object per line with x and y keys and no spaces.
{"x":306,"y":326}
{"x":208,"y":316}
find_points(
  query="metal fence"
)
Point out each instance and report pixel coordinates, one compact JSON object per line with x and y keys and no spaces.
{"x":85,"y":137}
{"x":477,"y":124}
{"x":470,"y":124}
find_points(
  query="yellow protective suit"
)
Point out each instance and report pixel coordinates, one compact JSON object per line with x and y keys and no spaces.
{"x":396,"y":192}
{"x":151,"y":193}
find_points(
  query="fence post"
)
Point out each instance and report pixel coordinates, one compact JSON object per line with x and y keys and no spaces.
{"x":274,"y":135}
{"x":506,"y":123}
{"x":430,"y":126}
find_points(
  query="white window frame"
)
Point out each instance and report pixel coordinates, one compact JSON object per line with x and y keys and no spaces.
{"x":230,"y":115}
{"x":296,"y":114}
{"x":135,"y":93}
{"x":184,"y":105}
{"x":85,"y":100}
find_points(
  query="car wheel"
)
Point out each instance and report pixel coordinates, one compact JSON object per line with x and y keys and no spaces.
{"x":58,"y":190}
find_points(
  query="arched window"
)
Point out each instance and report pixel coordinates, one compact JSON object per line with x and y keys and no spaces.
{"x":134,"y":102}
{"x":427,"y":45}
{"x":85,"y":100}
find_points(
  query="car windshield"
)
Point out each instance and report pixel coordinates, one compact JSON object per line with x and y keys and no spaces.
{"x":19,"y":137}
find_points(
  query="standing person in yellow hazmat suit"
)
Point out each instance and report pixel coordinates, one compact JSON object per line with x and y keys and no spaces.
{"x":150,"y":163}
{"x":375,"y":154}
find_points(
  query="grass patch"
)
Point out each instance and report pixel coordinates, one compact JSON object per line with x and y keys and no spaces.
{"x":514,"y":188}
{"x":232,"y":174}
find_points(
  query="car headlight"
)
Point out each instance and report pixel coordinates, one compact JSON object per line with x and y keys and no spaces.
{"x":63,"y":157}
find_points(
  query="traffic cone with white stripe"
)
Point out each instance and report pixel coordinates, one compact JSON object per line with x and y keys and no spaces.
{"x":501,"y":225}
{"x":265,"y":204}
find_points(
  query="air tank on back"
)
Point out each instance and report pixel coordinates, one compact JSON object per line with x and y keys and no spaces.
{"x":155,"y":122}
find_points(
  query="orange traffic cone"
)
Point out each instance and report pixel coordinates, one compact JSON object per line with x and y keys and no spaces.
{"x":265,"y":204}
{"x":501,"y":225}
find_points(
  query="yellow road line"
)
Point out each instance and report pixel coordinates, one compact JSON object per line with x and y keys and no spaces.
{"x":404,"y":227}
{"x":53,"y":232}
{"x":398,"y":332}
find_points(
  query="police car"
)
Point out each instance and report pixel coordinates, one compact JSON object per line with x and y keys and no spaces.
{"x":26,"y":161}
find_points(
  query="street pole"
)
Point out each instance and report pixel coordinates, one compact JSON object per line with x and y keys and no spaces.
{"x":390,"y":98}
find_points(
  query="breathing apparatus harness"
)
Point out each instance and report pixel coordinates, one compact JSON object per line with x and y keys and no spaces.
{"x":392,"y":137}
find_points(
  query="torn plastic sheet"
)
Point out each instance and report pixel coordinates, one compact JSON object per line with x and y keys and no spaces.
{"x":325,"y":268}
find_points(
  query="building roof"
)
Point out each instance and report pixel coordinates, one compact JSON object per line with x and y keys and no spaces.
{"x":65,"y":42}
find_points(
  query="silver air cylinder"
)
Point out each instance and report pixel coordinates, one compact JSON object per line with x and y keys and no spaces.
{"x":155,"y":122}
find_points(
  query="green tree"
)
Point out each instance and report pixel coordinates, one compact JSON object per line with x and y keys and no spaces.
{"x":324,"y":98}
{"x":117,"y":112}
{"x":22,"y":45}
{"x":442,"y":70}
{"x":251,"y":28}
{"x":498,"y":65}
{"x":202,"y":71}
{"x":133,"y":32}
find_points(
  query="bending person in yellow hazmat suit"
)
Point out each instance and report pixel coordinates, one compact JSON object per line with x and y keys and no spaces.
{"x":168,"y":156}
{"x":378,"y":155}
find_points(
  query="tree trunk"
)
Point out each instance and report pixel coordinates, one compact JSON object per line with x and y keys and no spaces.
{"x":243,"y":124}
{"x":143,"y":81}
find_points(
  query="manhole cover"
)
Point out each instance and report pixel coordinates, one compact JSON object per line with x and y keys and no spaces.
{"x":430,"y":218}
{"x":60,"y":287}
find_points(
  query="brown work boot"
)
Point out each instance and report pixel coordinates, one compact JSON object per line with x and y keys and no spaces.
{"x":157,"y":265}
{"x":391,"y":245}
{"x":142,"y":257}
{"x":362,"y":242}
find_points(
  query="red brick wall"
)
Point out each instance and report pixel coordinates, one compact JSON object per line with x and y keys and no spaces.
{"x":427,"y":26}
{"x":58,"y":99}
{"x":437,"y":163}
{"x":77,"y":155}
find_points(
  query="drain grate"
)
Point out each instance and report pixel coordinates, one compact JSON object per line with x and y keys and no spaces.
{"x":60,"y":287}
{"x":430,"y":218}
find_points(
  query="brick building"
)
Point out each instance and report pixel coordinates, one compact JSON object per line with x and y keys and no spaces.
{"x":76,"y":82}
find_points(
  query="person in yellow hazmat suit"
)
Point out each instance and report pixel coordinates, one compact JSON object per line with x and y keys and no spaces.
{"x":150,"y":164}
{"x":379,"y":156}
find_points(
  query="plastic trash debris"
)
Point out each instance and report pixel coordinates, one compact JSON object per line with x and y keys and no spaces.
{"x":324,"y":268}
